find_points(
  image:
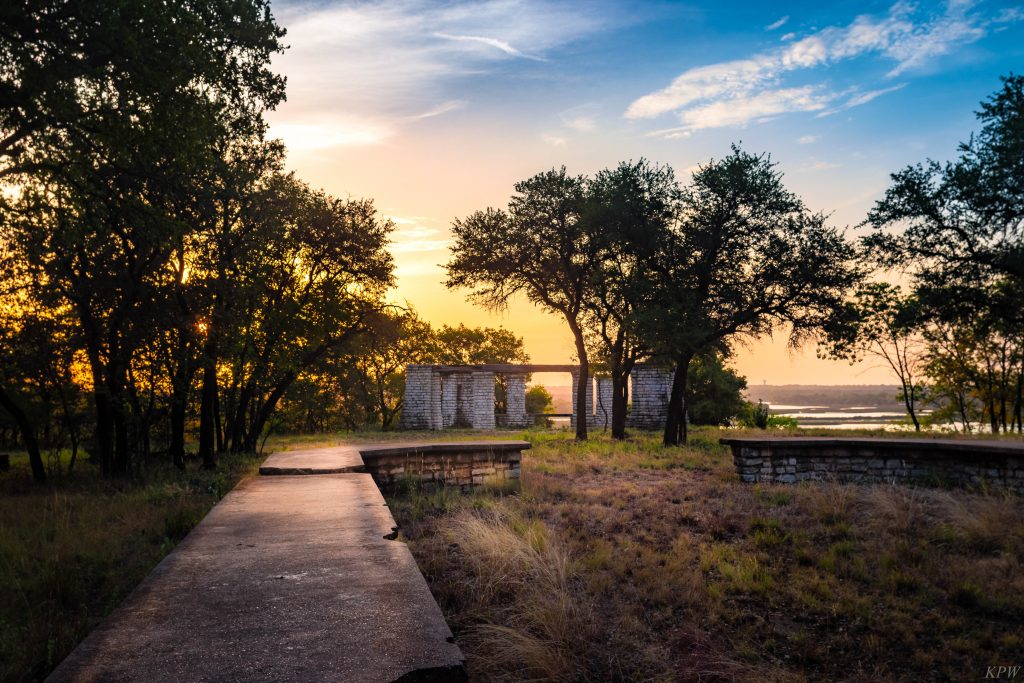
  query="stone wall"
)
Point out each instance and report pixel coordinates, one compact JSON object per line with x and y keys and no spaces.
{"x":465,"y":466}
{"x":650,"y":388}
{"x":969,"y":464}
{"x":417,"y":404}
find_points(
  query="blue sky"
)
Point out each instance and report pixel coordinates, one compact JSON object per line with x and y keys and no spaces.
{"x":436,"y":109}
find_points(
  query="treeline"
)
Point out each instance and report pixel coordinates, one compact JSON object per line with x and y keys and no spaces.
{"x":160,"y":264}
{"x":953,"y":334}
{"x":641,"y":267}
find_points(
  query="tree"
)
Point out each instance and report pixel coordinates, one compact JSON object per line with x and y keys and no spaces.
{"x":744,"y":257}
{"x":316,"y":275}
{"x":392,"y":341}
{"x":962,"y":222}
{"x":478,"y":345}
{"x":958,"y":230}
{"x":627,"y":207}
{"x":109,"y":114}
{"x":714,"y":391}
{"x":539,"y":247}
{"x":539,"y":400}
{"x":883,"y":323}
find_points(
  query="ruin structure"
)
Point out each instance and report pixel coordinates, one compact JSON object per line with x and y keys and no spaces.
{"x":442,"y":396}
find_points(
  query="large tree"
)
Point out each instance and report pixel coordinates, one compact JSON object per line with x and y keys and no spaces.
{"x":540,"y":248}
{"x":957,"y":230}
{"x":745,"y":257}
{"x":627,"y":208}
{"x":110,"y":114}
{"x":958,"y":227}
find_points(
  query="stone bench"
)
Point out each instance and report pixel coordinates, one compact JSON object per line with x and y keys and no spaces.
{"x":958,"y":462}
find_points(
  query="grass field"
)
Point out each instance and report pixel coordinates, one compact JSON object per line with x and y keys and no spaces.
{"x":635,"y":562}
{"x":615,"y":561}
{"x":73,"y":548}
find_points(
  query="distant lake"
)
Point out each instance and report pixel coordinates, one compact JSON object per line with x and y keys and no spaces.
{"x":834,"y":407}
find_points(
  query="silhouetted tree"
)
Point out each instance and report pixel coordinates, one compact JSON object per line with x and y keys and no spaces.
{"x":627,"y":208}
{"x":744,"y":257}
{"x":539,"y":247}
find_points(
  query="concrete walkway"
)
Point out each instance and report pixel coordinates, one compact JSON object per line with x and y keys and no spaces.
{"x":288,"y":578}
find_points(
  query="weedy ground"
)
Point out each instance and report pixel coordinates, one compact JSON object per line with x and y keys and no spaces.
{"x":630,"y":561}
{"x":615,"y":561}
{"x":73,"y":548}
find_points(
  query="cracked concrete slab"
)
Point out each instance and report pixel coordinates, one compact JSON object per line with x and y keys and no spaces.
{"x":289,"y":578}
{"x":314,"y":461}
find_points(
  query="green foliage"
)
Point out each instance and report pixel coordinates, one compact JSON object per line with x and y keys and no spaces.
{"x":714,"y":391}
{"x":539,"y":400}
{"x":960,"y":236}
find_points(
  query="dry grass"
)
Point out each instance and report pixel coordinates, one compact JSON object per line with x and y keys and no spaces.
{"x":636,"y":562}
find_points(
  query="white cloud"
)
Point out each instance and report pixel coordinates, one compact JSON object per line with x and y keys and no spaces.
{"x":777,"y":24}
{"x":554,"y":140}
{"x":815,"y":166}
{"x":389,"y":63}
{"x":491,"y":42}
{"x":584,"y":124}
{"x":334,"y":133}
{"x":859,"y":98}
{"x":807,"y":139}
{"x":742,"y":109}
{"x":739,"y":91}
{"x":411,"y":237}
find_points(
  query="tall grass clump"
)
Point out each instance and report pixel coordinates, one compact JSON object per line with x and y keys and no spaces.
{"x":533,"y":623}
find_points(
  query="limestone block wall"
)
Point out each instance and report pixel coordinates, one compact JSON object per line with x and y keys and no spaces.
{"x":515,"y":401}
{"x":456,"y":399}
{"x":650,"y":389}
{"x":466,"y":469}
{"x":418,"y":410}
{"x":908,"y":461}
{"x":483,"y":400}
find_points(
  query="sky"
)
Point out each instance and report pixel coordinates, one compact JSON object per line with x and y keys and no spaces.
{"x":436,"y":109}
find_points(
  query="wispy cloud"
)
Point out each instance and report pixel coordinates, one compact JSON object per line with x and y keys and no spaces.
{"x":491,"y":42}
{"x":806,"y":139}
{"x":741,"y":91}
{"x":390,"y":63}
{"x":554,"y":140}
{"x":777,"y":24}
{"x":411,"y":236}
{"x":857,"y":99}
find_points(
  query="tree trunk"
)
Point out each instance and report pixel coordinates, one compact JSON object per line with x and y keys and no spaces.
{"x":620,"y":397}
{"x":28,"y":434}
{"x":675,"y":422}
{"x":207,"y":440}
{"x":104,"y":429}
{"x":908,"y":401}
{"x":584,"y":384}
{"x":177,"y":444}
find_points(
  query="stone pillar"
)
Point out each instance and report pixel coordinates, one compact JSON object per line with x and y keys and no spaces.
{"x":483,"y":400}
{"x":650,"y":391}
{"x":416,"y":408}
{"x":515,"y":400}
{"x":603,"y":414}
{"x":588,"y":409}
